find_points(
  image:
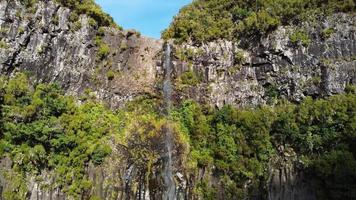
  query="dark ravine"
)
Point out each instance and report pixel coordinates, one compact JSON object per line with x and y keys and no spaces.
{"x":53,"y":51}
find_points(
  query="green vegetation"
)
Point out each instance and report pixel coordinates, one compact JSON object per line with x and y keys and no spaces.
{"x":77,"y":26}
{"x":90,"y":8}
{"x":184,"y":54}
{"x":272,"y":93}
{"x":327,"y":33}
{"x":4,"y":30}
{"x":239,"y":57}
{"x":110,"y":75}
{"x":207,"y":20}
{"x":41,"y":129}
{"x":73,"y":17}
{"x":240,"y":143}
{"x":103,"y":51}
{"x":350,"y":89}
{"x":3,"y":45}
{"x":21,"y":30}
{"x":28,"y":3}
{"x":189,"y":78}
{"x":103,"y":48}
{"x":300,"y":37}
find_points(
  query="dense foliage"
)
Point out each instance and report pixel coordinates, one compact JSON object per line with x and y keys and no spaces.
{"x":88,"y":7}
{"x":206,"y":20}
{"x":41,"y":129}
{"x":241,"y":143}
{"x":45,"y":132}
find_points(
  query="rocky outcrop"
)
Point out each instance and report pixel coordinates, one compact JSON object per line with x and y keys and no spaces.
{"x":274,"y":66}
{"x":46,"y":42}
{"x":288,"y":179}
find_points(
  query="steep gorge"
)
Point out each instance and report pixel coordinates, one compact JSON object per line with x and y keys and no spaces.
{"x":117,"y":67}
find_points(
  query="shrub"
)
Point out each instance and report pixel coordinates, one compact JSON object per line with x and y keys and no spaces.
{"x":28,"y":3}
{"x":327,"y":33}
{"x":350,"y":89}
{"x":103,"y":48}
{"x":101,"y":32}
{"x":272,"y":92}
{"x":90,"y":8}
{"x":92,"y":22}
{"x":189,"y":78}
{"x":239,"y":143}
{"x":110,"y":75}
{"x":3,"y":45}
{"x":41,"y":129}
{"x":103,"y":51}
{"x":21,"y":30}
{"x":73,"y":17}
{"x":99,"y":153}
{"x":239,"y":57}
{"x":300,"y":37}
{"x":77,"y":26}
{"x":260,"y":23}
{"x":184,"y":54}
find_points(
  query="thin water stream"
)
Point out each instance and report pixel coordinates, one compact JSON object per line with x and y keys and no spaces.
{"x":169,"y":193}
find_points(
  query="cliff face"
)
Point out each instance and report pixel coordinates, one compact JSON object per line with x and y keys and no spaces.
{"x":274,"y":67}
{"x":49,"y":46}
{"x":45,"y":42}
{"x":116,"y":66}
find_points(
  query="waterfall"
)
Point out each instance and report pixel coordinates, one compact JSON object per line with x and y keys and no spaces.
{"x":169,"y":193}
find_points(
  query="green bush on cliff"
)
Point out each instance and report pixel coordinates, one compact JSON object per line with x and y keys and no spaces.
{"x":326,"y":33}
{"x":90,"y":8}
{"x":207,"y":20}
{"x":78,"y":7}
{"x":257,"y":23}
{"x":189,"y":78}
{"x":300,"y":37}
{"x":103,"y":48}
{"x":28,"y":3}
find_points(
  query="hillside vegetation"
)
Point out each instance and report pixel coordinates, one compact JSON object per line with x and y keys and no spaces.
{"x":88,"y":7}
{"x":41,"y":129}
{"x":241,"y":143}
{"x":207,"y":20}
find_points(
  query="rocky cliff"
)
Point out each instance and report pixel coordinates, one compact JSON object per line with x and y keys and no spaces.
{"x":46,"y":42}
{"x":273,"y":67}
{"x":117,"y":66}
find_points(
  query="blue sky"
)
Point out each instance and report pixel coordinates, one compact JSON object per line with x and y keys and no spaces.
{"x":149,"y":17}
